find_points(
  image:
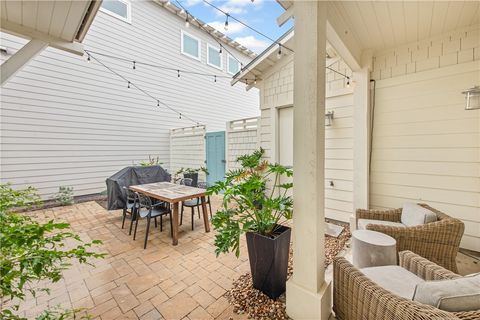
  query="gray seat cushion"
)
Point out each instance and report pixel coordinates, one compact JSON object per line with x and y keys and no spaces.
{"x":362,"y":223}
{"x":414,"y":215}
{"x":455,"y":295}
{"x":395,"y":279}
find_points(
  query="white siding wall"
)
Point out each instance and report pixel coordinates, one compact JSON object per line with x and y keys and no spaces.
{"x":276,"y":90}
{"x":426,"y":147}
{"x":242,"y":138}
{"x":187,"y":149}
{"x":67,"y":122}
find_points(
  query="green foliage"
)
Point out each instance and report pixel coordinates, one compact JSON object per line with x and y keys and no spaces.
{"x":32,"y":251}
{"x":64,"y":196}
{"x":177,"y":175}
{"x":254,"y":200}
{"x":152,"y":161}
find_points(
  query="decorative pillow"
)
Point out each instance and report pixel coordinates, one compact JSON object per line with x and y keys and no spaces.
{"x":414,"y":215}
{"x":458,"y":295}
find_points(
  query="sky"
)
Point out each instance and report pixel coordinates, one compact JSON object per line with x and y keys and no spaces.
{"x":259,"y":14}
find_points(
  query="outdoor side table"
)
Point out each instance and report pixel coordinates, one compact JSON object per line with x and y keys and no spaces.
{"x":371,"y":249}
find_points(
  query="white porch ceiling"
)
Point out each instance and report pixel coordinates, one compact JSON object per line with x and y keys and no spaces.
{"x":380,"y":25}
{"x":65,"y":20}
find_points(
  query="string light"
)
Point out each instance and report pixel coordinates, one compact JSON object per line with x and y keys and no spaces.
{"x":241,"y":22}
{"x":255,"y":80}
{"x":134,"y":67}
{"x":214,"y":78}
{"x":180,"y":116}
{"x":146,"y":93}
{"x":279,"y":53}
{"x":348,"y":82}
{"x":173,"y":69}
{"x":187,"y":23}
{"x":128,"y":85}
{"x":226,"y":22}
{"x":88,"y":58}
{"x":220,"y":51}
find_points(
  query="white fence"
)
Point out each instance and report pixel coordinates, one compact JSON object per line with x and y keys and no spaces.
{"x":187,"y":148}
{"x":242,"y":137}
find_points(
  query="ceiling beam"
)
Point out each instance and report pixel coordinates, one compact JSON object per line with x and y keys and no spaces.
{"x":29,"y":33}
{"x":342,"y":40}
{"x":284,"y":17}
{"x":16,"y":62}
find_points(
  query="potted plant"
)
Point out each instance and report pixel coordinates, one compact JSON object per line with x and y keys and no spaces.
{"x":190,"y":173}
{"x":255,"y":202}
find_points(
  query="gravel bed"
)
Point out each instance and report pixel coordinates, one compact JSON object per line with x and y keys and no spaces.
{"x":247,"y":300}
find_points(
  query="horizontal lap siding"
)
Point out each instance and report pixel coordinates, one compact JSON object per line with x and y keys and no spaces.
{"x":426,"y":147}
{"x":68,"y":122}
{"x":277,"y":91}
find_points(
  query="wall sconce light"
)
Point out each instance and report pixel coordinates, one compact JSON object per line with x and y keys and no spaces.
{"x":328,"y":118}
{"x":472,"y":98}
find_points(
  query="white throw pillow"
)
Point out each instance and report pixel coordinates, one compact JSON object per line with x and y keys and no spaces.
{"x":414,"y":215}
{"x":457,"y":295}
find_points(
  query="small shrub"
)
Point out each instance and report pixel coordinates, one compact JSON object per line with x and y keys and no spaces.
{"x":152,"y":161}
{"x":65,"y":196}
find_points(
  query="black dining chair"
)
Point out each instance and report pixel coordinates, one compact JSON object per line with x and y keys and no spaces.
{"x":130,"y":205}
{"x":195,"y":203}
{"x":147,"y":210}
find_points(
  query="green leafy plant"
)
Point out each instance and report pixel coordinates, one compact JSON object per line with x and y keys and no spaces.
{"x":177,"y":175}
{"x":152,"y":161}
{"x":33,"y":251}
{"x":65,"y":196}
{"x":254,"y":200}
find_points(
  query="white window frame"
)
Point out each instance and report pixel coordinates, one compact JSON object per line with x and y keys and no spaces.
{"x":228,"y":64}
{"x":128,"y":19}
{"x":199,"y":58}
{"x":208,"y":57}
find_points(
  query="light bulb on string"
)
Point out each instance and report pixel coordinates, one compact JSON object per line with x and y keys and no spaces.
{"x":180,"y":116}
{"x":128,"y":85}
{"x":178,"y":73}
{"x":226,"y":22}
{"x":279,"y":53}
{"x":187,"y":23}
{"x":158,"y":103}
{"x":134,"y":67}
{"x":220,"y":51}
{"x":88,"y":58}
{"x":255,"y":80}
{"x":348,"y":82}
{"x":215,"y":78}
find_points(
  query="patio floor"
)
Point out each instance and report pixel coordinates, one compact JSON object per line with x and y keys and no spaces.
{"x":164,"y":281}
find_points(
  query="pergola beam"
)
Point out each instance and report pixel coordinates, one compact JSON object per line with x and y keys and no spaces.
{"x":285,"y":16}
{"x":342,"y":39}
{"x":16,"y":62}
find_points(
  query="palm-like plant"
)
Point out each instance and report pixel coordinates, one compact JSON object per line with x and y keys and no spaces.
{"x":254,"y":200}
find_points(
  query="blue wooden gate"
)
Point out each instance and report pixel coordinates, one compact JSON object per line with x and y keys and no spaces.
{"x":215,"y":156}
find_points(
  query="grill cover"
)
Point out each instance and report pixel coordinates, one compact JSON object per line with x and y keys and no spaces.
{"x":131,"y":176}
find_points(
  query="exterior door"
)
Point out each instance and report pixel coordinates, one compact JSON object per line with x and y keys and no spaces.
{"x":215,"y":156}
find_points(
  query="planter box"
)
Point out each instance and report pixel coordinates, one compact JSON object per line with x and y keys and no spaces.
{"x":269,"y":260}
{"x":193,"y":176}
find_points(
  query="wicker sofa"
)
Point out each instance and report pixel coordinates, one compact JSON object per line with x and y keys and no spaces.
{"x":356,"y":297}
{"x":437,"y":241}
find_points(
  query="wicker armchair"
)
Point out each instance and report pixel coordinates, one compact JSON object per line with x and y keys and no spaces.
{"x":437,"y":241}
{"x":356,"y":297}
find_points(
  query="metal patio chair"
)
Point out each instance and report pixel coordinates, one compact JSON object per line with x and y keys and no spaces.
{"x":147,"y":210}
{"x":195,"y":203}
{"x":130,"y":204}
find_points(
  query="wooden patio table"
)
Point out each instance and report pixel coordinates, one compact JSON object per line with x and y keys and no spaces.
{"x":174,"y":194}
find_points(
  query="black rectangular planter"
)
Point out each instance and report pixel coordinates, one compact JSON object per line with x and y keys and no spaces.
{"x":269,"y":260}
{"x":193,"y":176}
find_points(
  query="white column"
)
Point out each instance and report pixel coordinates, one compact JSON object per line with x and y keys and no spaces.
{"x":308,"y":295}
{"x":361,"y":133}
{"x":16,"y":62}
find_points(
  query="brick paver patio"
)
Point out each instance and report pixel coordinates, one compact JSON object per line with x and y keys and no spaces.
{"x":162,"y":282}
